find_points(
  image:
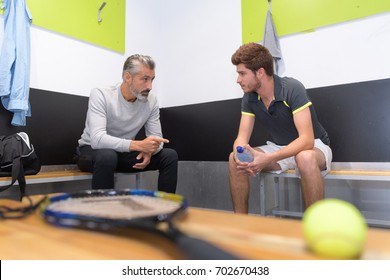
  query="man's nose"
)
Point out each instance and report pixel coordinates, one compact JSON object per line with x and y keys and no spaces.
{"x":150,"y":85}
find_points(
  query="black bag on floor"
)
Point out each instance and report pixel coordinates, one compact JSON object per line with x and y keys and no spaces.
{"x":17,"y":158}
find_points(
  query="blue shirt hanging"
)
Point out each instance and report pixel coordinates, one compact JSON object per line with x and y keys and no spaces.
{"x":15,"y":61}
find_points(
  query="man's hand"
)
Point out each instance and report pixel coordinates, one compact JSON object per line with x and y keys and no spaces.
{"x":244,"y":168}
{"x":149,"y":145}
{"x":261,"y":160}
{"x":145,"y":160}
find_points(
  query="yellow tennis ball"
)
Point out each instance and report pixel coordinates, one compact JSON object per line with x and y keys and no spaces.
{"x":334,"y":229}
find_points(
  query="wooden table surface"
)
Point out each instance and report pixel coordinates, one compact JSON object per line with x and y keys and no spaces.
{"x":248,"y":237}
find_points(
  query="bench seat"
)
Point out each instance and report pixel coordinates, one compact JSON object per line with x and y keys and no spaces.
{"x":50,"y":176}
{"x":334,"y":174}
{"x":349,"y":174}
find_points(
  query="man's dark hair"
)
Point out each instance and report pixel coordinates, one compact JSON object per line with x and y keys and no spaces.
{"x":254,"y":56}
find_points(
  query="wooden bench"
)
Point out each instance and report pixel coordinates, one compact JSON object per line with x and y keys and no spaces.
{"x":334,"y":174}
{"x":52,"y":176}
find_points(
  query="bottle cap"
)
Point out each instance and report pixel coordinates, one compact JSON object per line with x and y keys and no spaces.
{"x":240,"y":149}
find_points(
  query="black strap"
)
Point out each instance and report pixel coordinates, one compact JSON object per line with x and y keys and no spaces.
{"x":17,"y":174}
{"x":19,"y":212}
{"x":21,"y":179}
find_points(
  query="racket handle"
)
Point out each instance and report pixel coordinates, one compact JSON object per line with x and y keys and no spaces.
{"x":196,"y":249}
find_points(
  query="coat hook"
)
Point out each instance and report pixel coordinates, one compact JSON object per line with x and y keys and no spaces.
{"x":99,"y":11}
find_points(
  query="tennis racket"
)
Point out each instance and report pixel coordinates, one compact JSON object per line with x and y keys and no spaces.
{"x":142,"y":209}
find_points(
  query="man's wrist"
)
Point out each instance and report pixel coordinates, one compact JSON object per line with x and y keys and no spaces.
{"x":272,"y":157}
{"x":134,"y":146}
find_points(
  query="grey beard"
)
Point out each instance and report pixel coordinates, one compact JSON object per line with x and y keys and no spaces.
{"x":140,"y":97}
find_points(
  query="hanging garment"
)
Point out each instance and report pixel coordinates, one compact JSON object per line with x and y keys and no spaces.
{"x":15,"y":61}
{"x":271,"y":42}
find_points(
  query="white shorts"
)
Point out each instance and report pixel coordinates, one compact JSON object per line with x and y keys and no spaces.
{"x":289,"y":163}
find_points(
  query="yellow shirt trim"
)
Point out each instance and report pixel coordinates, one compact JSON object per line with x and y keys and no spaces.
{"x":301,"y":108}
{"x":248,"y":114}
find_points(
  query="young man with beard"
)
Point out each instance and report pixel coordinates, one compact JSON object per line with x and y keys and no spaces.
{"x":115,"y":116}
{"x":281,"y":104}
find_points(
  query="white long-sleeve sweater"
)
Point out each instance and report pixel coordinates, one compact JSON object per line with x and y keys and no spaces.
{"x":112,"y":122}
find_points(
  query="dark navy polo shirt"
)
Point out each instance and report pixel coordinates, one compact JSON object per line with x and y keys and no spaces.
{"x":290,"y":98}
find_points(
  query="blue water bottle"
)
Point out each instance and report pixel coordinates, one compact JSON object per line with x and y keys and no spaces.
{"x":243,"y":154}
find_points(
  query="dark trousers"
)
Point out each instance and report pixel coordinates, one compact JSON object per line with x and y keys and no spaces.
{"x":103,"y":163}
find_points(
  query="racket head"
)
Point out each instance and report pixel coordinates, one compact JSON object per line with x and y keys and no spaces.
{"x":64,"y":210}
{"x":107,"y":209}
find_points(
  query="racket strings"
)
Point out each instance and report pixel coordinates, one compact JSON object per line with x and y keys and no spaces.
{"x":117,"y":207}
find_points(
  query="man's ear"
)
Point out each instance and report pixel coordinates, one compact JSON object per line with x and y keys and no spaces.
{"x":260,"y":73}
{"x":127,"y":77}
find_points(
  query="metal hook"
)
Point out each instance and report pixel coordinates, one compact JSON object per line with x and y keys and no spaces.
{"x":99,"y":11}
{"x":270,"y":6}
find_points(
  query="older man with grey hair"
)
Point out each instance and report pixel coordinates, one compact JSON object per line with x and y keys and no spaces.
{"x":115,"y":116}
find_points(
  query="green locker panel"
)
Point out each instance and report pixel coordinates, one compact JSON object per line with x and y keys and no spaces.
{"x":81,"y":19}
{"x":292,"y":16}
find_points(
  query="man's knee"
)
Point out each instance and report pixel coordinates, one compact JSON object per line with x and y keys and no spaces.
{"x":232,"y":163}
{"x":106,"y":157}
{"x":306,"y":160}
{"x":169,"y":155}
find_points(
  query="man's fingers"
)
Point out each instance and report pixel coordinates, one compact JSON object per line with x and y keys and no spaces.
{"x":138,"y":166}
{"x":162,"y":140}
